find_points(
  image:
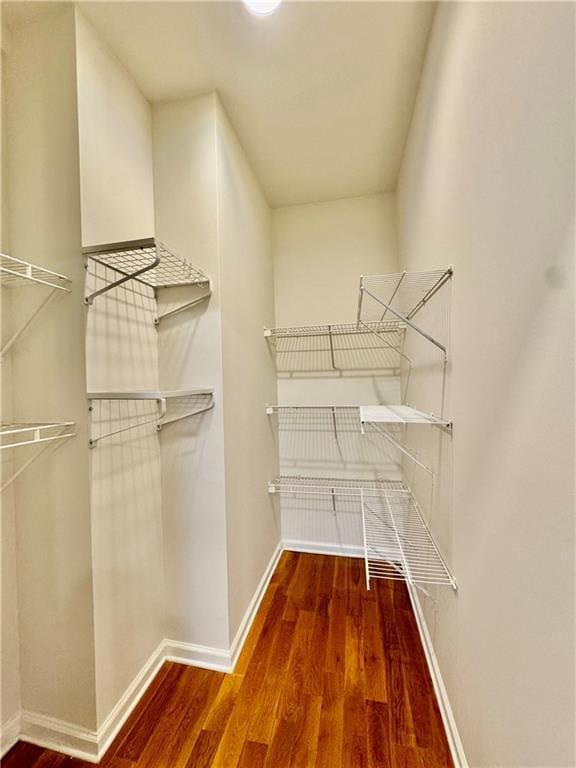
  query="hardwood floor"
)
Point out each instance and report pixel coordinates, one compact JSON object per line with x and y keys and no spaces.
{"x":331,"y":676}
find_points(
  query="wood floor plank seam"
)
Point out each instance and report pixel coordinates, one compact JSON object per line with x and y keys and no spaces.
{"x":331,"y":675}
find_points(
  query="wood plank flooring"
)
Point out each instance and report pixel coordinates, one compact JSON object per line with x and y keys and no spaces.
{"x":331,"y":676}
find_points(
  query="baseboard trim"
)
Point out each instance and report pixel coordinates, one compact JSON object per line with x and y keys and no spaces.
{"x":123,"y":709}
{"x":322,"y":548}
{"x":252,"y":610}
{"x":454,"y":741}
{"x":10,"y":733}
{"x":221,"y":659}
{"x":59,"y":735}
{"x":217,"y":659}
{"x":91,"y":746}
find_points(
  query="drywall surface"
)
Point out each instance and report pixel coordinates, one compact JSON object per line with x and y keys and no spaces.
{"x":247,"y":302}
{"x":10,"y":703}
{"x":488,"y":185}
{"x":190,"y":356}
{"x":53,"y":522}
{"x":320,"y":251}
{"x":115,"y":124}
{"x":115,"y":145}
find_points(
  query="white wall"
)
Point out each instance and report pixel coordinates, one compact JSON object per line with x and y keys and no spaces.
{"x":10,"y":702}
{"x":190,"y":356}
{"x":320,"y":251}
{"x":115,"y":124}
{"x":116,"y":145}
{"x":246,"y":276}
{"x":488,"y":185}
{"x":52,"y":522}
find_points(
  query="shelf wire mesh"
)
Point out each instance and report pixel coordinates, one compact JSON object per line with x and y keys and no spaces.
{"x":15,"y":272}
{"x":406,"y":292}
{"x":338,"y":347}
{"x":398,"y":542}
{"x":16,"y":433}
{"x":128,"y":258}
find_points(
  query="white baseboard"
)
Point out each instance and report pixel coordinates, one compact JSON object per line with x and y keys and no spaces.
{"x":123,"y":709}
{"x":454,"y":741}
{"x":320,"y":548}
{"x":10,"y":733}
{"x":218,"y":659}
{"x":91,"y":746}
{"x":52,"y":733}
{"x":252,"y":610}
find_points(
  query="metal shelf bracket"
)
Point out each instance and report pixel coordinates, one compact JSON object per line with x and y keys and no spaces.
{"x":182,"y":307}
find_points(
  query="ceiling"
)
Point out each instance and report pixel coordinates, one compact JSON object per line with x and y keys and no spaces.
{"x":320,"y":93}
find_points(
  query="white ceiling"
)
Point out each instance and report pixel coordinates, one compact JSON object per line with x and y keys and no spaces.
{"x":320,"y":93}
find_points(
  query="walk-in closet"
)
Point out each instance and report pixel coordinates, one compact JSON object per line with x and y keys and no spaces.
{"x":287,"y":384}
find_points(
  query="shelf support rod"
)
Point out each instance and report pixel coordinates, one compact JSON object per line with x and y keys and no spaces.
{"x":364,"y":539}
{"x":405,"y":320}
{"x":379,"y":336}
{"x":436,"y":287}
{"x":89,"y":300}
{"x":182,"y":307}
{"x":10,"y":343}
{"x":331,"y":347}
{"x":161,"y":406}
{"x":401,"y":448}
{"x":407,"y":574}
{"x":187,"y":415}
{"x":32,"y":459}
{"x":391,"y":299}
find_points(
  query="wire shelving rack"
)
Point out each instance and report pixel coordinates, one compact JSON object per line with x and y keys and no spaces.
{"x":15,"y":273}
{"x":399,"y":414}
{"x":151,"y":263}
{"x":397,"y":541}
{"x":170,"y":407}
{"x":400,"y":295}
{"x":44,"y":434}
{"x":338,"y":346}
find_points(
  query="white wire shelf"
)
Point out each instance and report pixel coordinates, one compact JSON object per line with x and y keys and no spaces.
{"x":363,"y":414}
{"x":16,"y":434}
{"x":15,"y":273}
{"x":338,"y":346}
{"x":170,"y":406}
{"x":387,"y":421}
{"x":399,"y":414}
{"x":149,"y":262}
{"x":400,"y":295}
{"x":42,"y":434}
{"x":398,"y":543}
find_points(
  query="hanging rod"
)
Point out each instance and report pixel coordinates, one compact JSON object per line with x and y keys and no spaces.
{"x":149,"y":262}
{"x":35,"y":433}
{"x":17,"y":273}
{"x":161,"y":398}
{"x":182,"y":307}
{"x":187,"y":395}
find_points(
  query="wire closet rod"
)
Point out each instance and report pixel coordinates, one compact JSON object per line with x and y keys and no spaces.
{"x":161,"y":398}
{"x":17,"y":273}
